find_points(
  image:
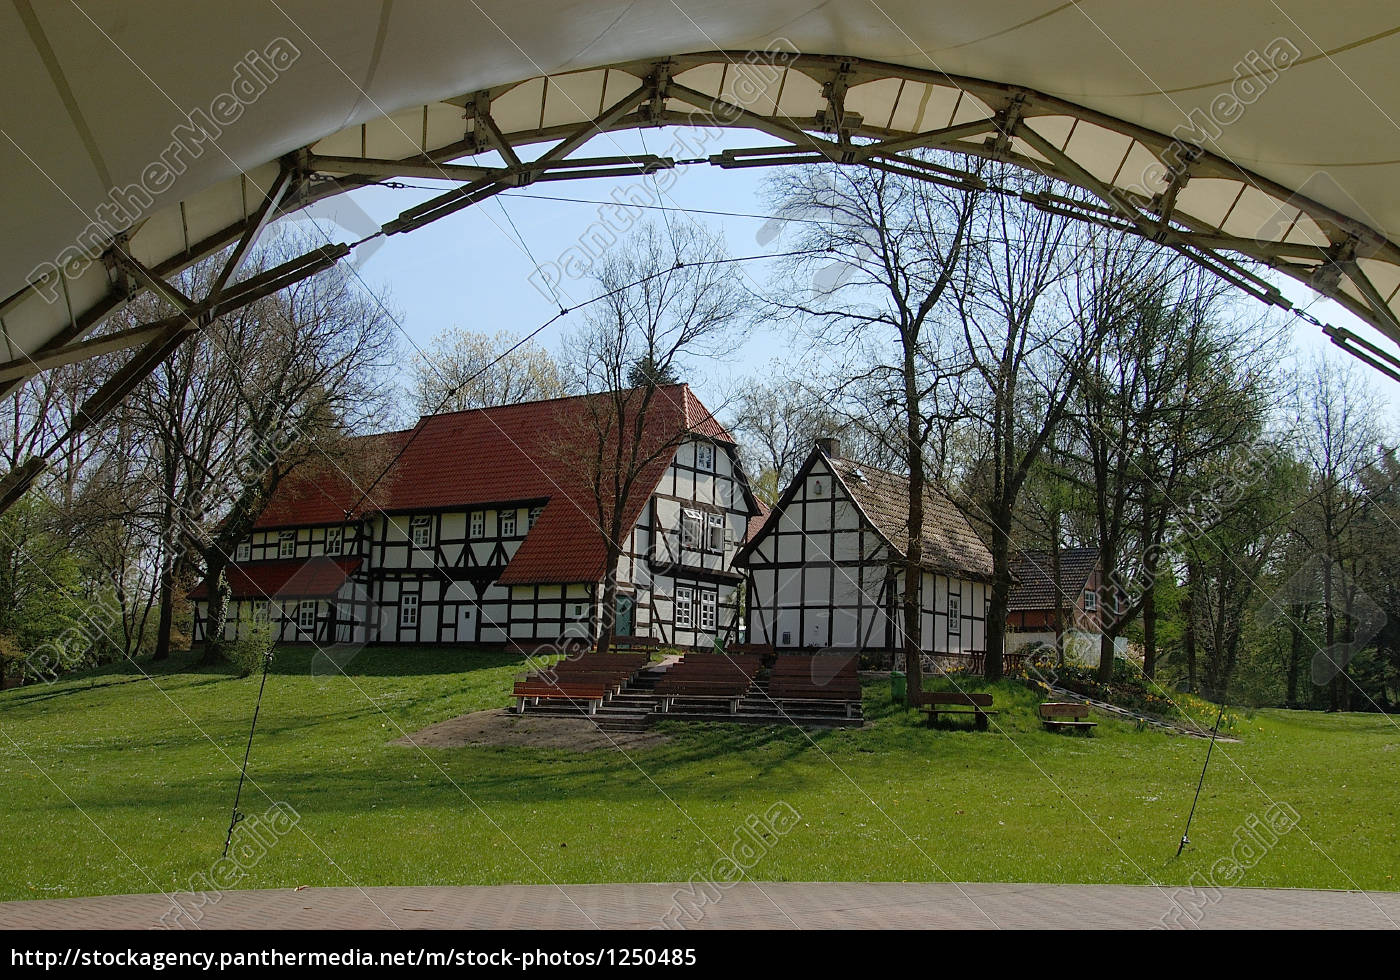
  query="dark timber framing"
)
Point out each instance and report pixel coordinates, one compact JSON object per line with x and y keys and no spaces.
{"x":821,"y":575}
{"x":455,"y":574}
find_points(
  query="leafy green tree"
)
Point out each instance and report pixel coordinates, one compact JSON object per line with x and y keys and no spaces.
{"x":47,"y":623}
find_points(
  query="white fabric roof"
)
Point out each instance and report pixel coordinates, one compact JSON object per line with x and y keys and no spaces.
{"x":1306,"y":157}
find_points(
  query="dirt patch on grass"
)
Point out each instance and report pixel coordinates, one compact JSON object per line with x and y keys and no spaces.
{"x":501,"y":727}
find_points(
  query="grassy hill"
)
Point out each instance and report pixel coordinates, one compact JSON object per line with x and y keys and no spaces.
{"x":115,"y":782}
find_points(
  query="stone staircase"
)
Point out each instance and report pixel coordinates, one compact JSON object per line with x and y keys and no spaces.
{"x":636,"y":708}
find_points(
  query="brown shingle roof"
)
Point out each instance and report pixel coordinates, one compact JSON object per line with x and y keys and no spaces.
{"x":756,"y":521}
{"x":949,"y":542}
{"x":1035,"y":587}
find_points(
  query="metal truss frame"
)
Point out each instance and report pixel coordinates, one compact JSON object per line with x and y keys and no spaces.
{"x":831,"y":135}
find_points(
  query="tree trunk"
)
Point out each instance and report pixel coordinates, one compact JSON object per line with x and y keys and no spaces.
{"x":1295,"y":652}
{"x":914,"y":551}
{"x":169,"y":545}
{"x":1105,"y":657}
{"x":1348,"y":637}
{"x":1189,"y":636}
{"x":1106,"y":627}
{"x":219,"y":594}
{"x":1057,"y":618}
{"x":607,"y":619}
{"x":167,"y":613}
{"x":1001,"y":594}
{"x":1149,"y":628}
{"x":1329,"y":619}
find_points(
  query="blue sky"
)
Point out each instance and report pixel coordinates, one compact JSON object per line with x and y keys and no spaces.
{"x":479,"y":268}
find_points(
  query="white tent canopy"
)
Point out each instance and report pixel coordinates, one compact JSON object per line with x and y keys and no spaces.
{"x":138,"y":138}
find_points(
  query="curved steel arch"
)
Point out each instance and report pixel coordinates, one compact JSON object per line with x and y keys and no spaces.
{"x":819,"y":109}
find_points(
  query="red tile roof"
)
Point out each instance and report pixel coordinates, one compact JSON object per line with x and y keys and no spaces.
{"x":293,"y":578}
{"x":496,"y":455}
{"x":756,"y":522}
{"x":322,"y":492}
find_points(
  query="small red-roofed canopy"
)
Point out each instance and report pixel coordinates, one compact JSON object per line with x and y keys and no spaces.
{"x":314,"y":578}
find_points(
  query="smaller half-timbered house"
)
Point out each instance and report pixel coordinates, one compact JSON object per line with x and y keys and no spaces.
{"x":825,"y":567}
{"x":1057,"y":600}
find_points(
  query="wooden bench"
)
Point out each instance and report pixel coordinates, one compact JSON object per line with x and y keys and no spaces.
{"x":588,"y":690}
{"x":1060,"y":715}
{"x":815,"y":678}
{"x":590,"y":678}
{"x":938,"y":703}
{"x":643,"y":643}
{"x":708,"y":677}
{"x":593,"y":663}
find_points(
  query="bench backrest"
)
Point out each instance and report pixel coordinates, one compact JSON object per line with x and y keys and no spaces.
{"x":955,"y":697}
{"x":817,"y":665}
{"x":1064,"y":709}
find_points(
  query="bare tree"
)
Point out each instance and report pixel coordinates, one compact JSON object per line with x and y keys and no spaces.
{"x":777,"y":421}
{"x":1028,"y":351}
{"x":307,"y":368}
{"x":879,"y":252}
{"x":1337,"y":433}
{"x":669,"y":298}
{"x":462,"y":369}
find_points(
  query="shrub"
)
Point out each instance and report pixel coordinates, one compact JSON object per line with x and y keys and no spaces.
{"x":256,"y":638}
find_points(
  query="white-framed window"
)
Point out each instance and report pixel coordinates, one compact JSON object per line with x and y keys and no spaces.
{"x":535,"y":513}
{"x":704,"y":456}
{"x":954,"y":613}
{"x":1091,"y":600}
{"x":335,"y":540}
{"x":287,"y":544}
{"x":260,"y":610}
{"x":422,"y":531}
{"x":243,"y":552}
{"x":408,"y":609}
{"x":714,"y":540}
{"x":690,"y":530}
{"x":685,"y":607}
{"x":306,"y":616}
{"x":478,"y":526}
{"x":507,"y":523}
{"x":709,"y":605}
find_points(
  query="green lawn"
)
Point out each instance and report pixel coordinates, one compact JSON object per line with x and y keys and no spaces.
{"x":116,"y":783}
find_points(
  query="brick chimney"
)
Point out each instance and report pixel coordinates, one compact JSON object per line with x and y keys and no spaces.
{"x":831,"y":446}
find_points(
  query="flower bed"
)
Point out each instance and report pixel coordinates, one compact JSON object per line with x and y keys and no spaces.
{"x":1129,"y":689}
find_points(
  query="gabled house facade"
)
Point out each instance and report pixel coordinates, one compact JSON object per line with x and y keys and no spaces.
{"x":1051,"y":608}
{"x":483,"y":531}
{"x":825,"y":567}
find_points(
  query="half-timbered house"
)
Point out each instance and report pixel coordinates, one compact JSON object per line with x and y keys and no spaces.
{"x":825,"y":568}
{"x":482,"y":530}
{"x":1057,"y":600}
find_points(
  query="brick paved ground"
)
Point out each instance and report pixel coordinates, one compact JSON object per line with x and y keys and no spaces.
{"x":764,"y":905}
